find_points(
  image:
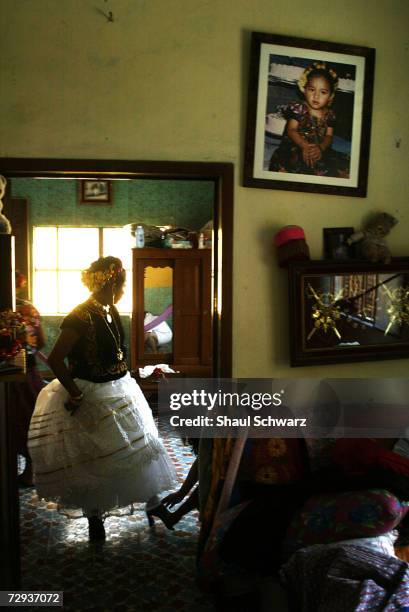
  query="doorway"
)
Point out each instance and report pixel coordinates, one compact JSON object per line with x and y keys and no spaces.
{"x":221,"y":175}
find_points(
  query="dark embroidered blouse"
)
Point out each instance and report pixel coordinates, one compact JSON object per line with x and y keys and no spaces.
{"x":288,"y":156}
{"x":95,"y":356}
{"x":312,"y":128}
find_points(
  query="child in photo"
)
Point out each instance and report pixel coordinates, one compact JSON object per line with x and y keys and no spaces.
{"x":306,"y":145}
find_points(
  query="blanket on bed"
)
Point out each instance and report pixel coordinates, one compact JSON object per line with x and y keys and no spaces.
{"x":345,"y":578}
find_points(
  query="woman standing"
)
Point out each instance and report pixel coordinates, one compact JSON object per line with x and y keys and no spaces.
{"x":93,"y":441}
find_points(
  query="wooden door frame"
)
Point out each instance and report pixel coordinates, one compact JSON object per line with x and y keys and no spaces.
{"x":222,"y":176}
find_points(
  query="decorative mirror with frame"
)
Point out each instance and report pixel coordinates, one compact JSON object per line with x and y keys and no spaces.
{"x":348,"y":311}
{"x":221,"y":175}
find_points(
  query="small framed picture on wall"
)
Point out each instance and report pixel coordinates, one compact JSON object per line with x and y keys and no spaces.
{"x":95,"y":191}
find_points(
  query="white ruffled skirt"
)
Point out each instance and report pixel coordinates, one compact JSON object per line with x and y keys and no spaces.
{"x":107,"y":455}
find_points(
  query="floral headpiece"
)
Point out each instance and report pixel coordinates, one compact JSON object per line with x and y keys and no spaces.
{"x":94,"y":281}
{"x":302,"y":81}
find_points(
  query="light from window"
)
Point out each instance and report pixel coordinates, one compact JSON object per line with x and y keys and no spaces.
{"x":44,"y":292}
{"x":59,"y":255}
{"x":77,"y":247}
{"x":118,"y":242}
{"x":71,"y":291}
{"x":44,"y":247}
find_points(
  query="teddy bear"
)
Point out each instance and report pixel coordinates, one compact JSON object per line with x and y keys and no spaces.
{"x":372,"y":238}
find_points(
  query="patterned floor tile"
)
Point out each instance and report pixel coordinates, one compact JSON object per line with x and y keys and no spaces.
{"x":138,"y":568}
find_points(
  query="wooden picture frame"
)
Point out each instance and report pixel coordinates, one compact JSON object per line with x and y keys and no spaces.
{"x":95,"y":191}
{"x":348,"y":311}
{"x":335,"y":243}
{"x":332,"y":132}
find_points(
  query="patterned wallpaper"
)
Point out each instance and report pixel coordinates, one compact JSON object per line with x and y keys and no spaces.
{"x":157,"y":299}
{"x":155,"y":202}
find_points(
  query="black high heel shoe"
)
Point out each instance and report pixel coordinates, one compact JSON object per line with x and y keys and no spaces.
{"x":163,"y":514}
{"x":96,"y":529}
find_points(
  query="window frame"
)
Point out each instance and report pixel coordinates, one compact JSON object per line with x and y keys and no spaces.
{"x":58,"y":270}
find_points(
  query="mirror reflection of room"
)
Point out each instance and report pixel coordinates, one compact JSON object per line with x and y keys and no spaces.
{"x":347,"y":310}
{"x":64,"y":240}
{"x":158,"y":297}
{"x":57,"y":219}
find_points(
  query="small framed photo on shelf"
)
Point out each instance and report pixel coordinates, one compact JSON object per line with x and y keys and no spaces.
{"x":336,"y":245}
{"x":95,"y":191}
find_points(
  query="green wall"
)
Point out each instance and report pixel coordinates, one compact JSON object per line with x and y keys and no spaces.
{"x":157,"y":299}
{"x":169,"y":81}
{"x":186,"y":203}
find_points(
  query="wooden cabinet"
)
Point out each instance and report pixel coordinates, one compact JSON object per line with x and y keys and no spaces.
{"x":187,"y":290}
{"x":9,"y":500}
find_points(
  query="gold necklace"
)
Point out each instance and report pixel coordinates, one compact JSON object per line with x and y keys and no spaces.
{"x":105,"y":309}
{"x":107,"y":318}
{"x":117,"y":340}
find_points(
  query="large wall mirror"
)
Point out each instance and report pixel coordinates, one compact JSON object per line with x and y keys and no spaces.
{"x":47,"y":214}
{"x":353,"y":311}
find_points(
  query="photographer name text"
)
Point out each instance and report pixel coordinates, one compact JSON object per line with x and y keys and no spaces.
{"x":227,"y":421}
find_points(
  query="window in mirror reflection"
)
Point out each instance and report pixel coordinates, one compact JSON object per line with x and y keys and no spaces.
{"x":158,"y":309}
{"x":356,"y":309}
{"x":57,"y":264}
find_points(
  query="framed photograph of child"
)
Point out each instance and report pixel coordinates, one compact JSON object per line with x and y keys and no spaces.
{"x":95,"y":191}
{"x":309,"y":115}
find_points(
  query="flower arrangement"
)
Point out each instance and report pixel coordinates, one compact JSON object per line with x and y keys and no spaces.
{"x":12,"y":334}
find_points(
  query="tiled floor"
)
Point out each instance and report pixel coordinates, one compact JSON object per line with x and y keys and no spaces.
{"x":136,"y":569}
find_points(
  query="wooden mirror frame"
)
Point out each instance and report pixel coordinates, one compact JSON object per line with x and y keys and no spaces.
{"x":299,"y":355}
{"x":222,"y":176}
{"x":220,"y":173}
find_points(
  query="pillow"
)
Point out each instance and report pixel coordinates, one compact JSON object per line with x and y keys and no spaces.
{"x":360,"y":454}
{"x":383,"y":544}
{"x":333,"y":517}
